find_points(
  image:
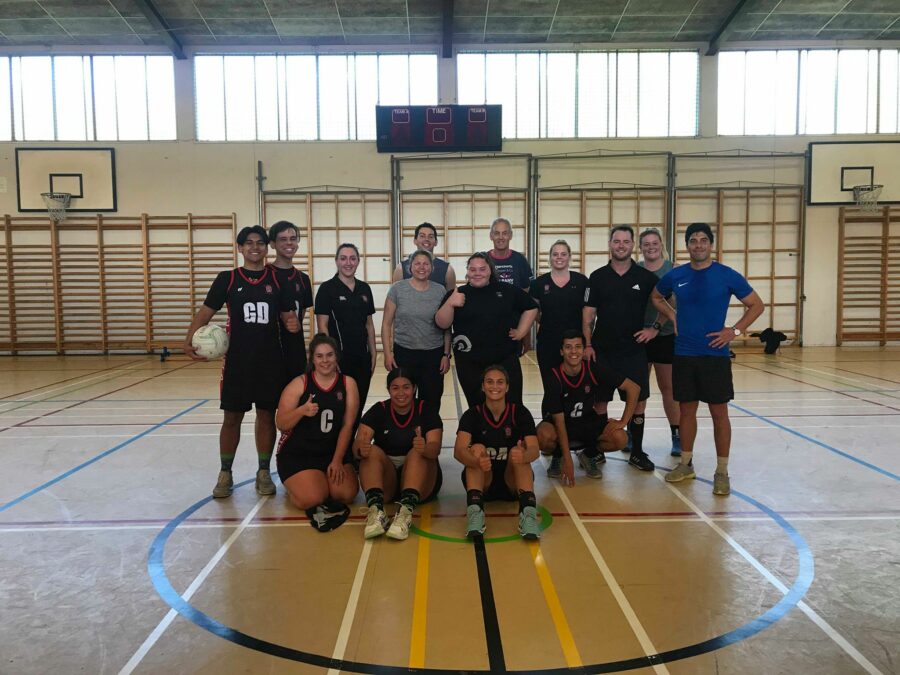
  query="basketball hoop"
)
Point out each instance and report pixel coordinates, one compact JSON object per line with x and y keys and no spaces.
{"x":866,"y":196}
{"x":57,"y":203}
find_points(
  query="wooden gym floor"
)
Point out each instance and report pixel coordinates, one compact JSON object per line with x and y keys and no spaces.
{"x":113,"y":557}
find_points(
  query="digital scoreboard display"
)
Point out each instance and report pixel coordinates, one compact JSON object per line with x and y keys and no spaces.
{"x":439,"y":128}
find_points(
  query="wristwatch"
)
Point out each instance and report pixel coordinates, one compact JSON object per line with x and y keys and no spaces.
{"x":737,"y":331}
{"x":656,"y":325}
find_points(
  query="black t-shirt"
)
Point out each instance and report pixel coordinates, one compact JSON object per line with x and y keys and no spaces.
{"x":575,"y":396}
{"x":318,"y":434}
{"x":347,"y":312}
{"x":560,"y":306}
{"x":498,"y":435}
{"x":621,"y":301}
{"x":298,"y":286}
{"x":255,"y":301}
{"x":513,"y":269}
{"x":481,"y":326}
{"x":394,"y":432}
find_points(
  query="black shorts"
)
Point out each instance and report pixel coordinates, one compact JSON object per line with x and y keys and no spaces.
{"x":632,"y":365}
{"x":303,"y":459}
{"x":661,"y":349}
{"x":583,"y":433}
{"x":438,"y":482}
{"x":702,"y":378}
{"x":243,"y":387}
{"x":498,"y":490}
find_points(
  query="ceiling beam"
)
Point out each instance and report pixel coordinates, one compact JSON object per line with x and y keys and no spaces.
{"x":447,"y":50}
{"x":725,"y":30}
{"x":151,"y":13}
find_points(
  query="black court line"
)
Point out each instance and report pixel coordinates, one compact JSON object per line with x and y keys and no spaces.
{"x":489,"y":609}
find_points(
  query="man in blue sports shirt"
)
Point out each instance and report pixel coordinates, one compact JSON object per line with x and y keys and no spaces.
{"x":701,"y":370}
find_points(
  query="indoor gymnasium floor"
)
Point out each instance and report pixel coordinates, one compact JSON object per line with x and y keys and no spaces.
{"x":114,"y":558}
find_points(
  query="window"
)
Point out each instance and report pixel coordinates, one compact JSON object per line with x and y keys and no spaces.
{"x":305,"y":97}
{"x":585,"y":94}
{"x":808,"y":91}
{"x":87,"y":98}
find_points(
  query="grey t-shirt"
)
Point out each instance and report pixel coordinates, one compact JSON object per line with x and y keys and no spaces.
{"x":650,"y":316}
{"x":414,"y":326}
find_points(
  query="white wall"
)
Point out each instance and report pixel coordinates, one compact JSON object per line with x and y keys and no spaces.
{"x":184,"y":176}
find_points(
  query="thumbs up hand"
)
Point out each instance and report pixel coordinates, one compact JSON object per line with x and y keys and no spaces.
{"x":365,"y":448}
{"x":418,"y":444}
{"x":456,"y":299}
{"x":517,"y":453}
{"x":311,"y":408}
{"x":480,"y":453}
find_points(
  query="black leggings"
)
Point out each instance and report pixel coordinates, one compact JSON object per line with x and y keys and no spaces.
{"x":469,"y":372}
{"x":548,"y":356}
{"x":360,"y":369}
{"x":424,"y":366}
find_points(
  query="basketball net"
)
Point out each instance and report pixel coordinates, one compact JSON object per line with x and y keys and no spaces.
{"x":56,"y":203}
{"x":866,"y":196}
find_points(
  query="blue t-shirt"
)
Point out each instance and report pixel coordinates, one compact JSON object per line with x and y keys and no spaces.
{"x":702,"y":297}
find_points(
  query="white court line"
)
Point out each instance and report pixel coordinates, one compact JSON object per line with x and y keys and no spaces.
{"x":340,"y":645}
{"x":161,"y":627}
{"x":71,"y":384}
{"x":875,"y":388}
{"x":624,"y":605}
{"x":591,"y":521}
{"x":839,"y":639}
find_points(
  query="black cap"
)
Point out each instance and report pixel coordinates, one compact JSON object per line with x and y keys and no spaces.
{"x":693,"y":228}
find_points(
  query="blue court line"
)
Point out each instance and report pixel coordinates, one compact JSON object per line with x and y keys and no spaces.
{"x":830,"y":448}
{"x":106,"y":453}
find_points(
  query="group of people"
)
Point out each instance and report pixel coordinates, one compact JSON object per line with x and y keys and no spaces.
{"x":596,"y":335}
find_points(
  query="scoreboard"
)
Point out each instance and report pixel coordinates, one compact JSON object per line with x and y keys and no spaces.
{"x":440,"y":128}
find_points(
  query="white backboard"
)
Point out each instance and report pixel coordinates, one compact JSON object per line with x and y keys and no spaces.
{"x":835,"y":167}
{"x":88,"y":174}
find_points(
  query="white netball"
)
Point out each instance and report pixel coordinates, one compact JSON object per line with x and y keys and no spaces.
{"x":210,"y":341}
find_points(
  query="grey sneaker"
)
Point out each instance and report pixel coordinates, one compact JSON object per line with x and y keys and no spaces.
{"x":264,"y":484}
{"x":224,"y":484}
{"x":475,"y":520}
{"x":590,"y":465}
{"x":721,"y":484}
{"x":554,"y":470}
{"x":376,"y":523}
{"x":400,"y":525}
{"x":529,"y":523}
{"x":680,"y":472}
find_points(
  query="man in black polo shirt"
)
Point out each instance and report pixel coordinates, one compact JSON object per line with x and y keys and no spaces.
{"x":617,"y":298}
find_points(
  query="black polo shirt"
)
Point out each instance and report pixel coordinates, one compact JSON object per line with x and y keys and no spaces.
{"x":621,"y":301}
{"x":481,"y":326}
{"x":560,"y":306}
{"x":347,"y":312}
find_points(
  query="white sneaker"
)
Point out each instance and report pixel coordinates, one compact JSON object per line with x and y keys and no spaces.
{"x":679,"y":473}
{"x":376,"y":523}
{"x":400,"y":526}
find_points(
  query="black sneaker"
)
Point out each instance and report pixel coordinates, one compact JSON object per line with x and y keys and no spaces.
{"x":324,"y":519}
{"x":641,"y":461}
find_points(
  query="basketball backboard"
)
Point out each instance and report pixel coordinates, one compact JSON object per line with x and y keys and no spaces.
{"x":88,"y":174}
{"x":834,"y":168}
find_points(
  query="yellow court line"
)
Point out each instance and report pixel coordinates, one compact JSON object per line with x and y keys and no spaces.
{"x":420,"y":600}
{"x":566,"y":641}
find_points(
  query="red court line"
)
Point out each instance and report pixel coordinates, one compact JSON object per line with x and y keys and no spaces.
{"x":87,"y":400}
{"x":68,"y":379}
{"x":817,"y":386}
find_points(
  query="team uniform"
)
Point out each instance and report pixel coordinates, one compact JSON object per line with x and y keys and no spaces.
{"x":701,"y":372}
{"x":439,"y":269}
{"x":312,"y":442}
{"x":293,"y":345}
{"x":253,"y":370}
{"x":394,"y":433}
{"x":347,"y":312}
{"x":560,"y":311}
{"x":660,"y":349}
{"x":574,"y":397}
{"x":498,"y":436}
{"x":513,"y":269}
{"x":620,"y":301}
{"x":481,"y":336}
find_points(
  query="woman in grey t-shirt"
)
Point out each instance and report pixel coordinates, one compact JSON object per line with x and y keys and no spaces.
{"x":661,"y":349}
{"x":409,"y":336}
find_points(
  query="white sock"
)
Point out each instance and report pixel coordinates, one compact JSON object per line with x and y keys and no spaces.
{"x":686,"y":457}
{"x":722,"y":465}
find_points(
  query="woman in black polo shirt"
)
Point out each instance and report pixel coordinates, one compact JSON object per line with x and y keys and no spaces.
{"x":344,"y":309}
{"x":489,"y":319}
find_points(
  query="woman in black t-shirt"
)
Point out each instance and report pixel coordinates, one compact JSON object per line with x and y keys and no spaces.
{"x":496,"y":442}
{"x":398,"y":443}
{"x":489,"y":320}
{"x":316,"y":415}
